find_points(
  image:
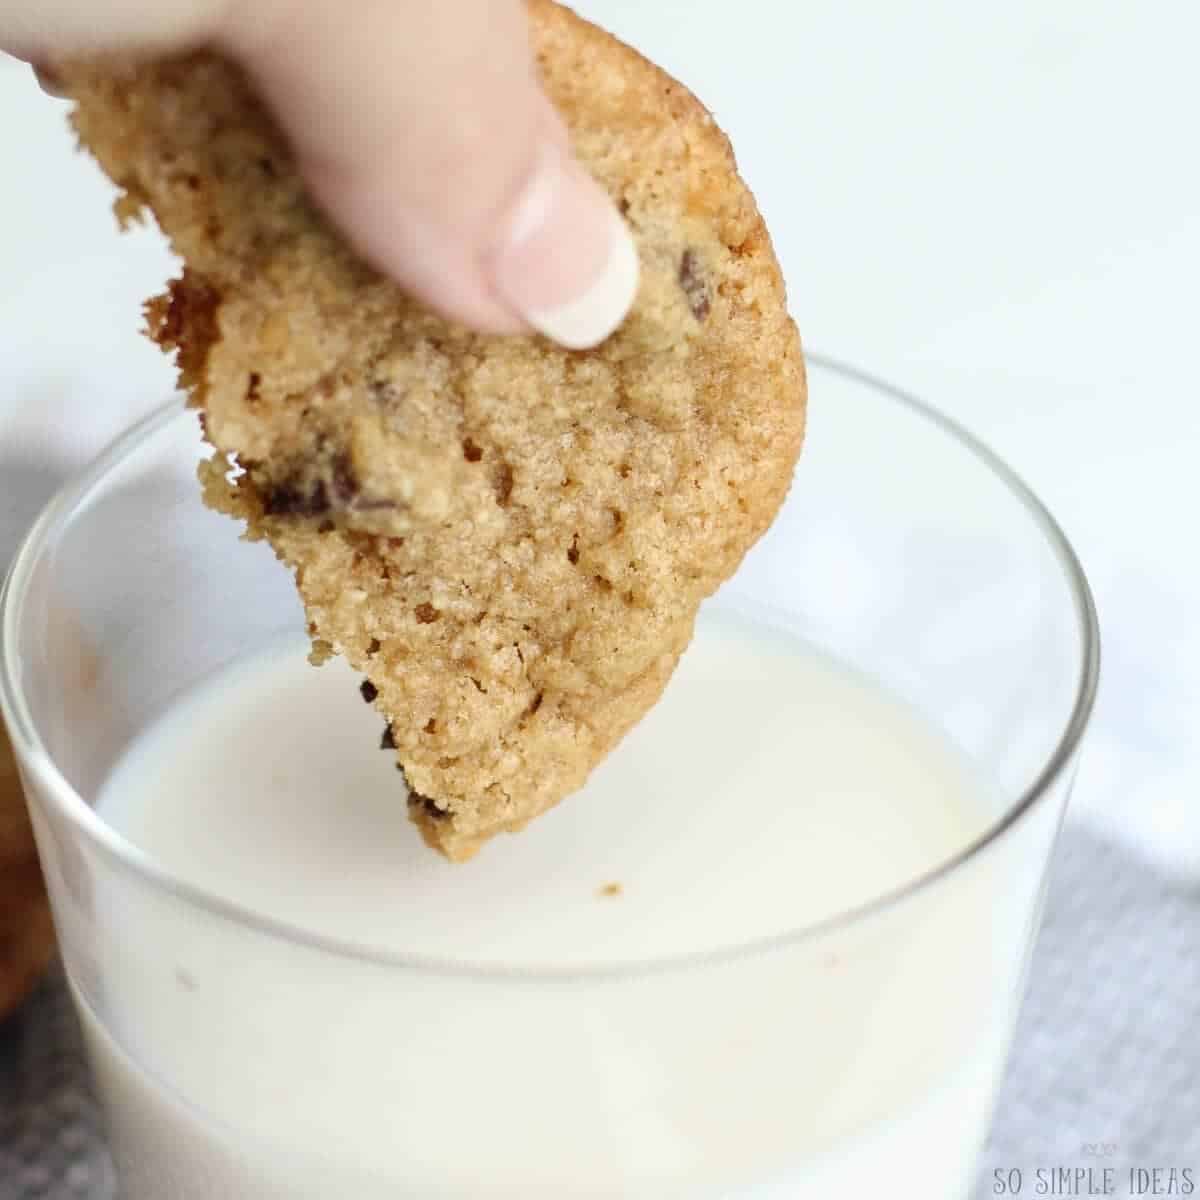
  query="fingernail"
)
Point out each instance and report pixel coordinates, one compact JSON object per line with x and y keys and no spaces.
{"x":568,"y":265}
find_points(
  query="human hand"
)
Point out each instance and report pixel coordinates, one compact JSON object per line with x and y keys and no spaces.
{"x":420,"y":127}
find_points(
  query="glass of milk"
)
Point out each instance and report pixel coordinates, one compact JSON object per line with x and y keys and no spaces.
{"x":775,"y":948}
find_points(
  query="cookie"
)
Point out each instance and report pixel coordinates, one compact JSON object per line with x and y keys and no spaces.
{"x":26,"y":931}
{"x":510,"y":540}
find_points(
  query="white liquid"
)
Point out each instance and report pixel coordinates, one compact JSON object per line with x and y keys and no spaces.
{"x":768,"y":791}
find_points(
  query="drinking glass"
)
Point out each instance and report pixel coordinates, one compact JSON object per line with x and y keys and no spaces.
{"x":238,"y":1058}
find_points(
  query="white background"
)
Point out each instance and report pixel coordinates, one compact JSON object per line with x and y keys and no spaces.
{"x":994,"y":205}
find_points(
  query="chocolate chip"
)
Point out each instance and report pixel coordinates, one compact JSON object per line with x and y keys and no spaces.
{"x":388,"y":741}
{"x":425,"y":613}
{"x":573,"y":551}
{"x":297,"y":497}
{"x":345,"y":481}
{"x":290,"y":499}
{"x":383,"y":392}
{"x":422,"y":803}
{"x":427,"y":806}
{"x":693,"y":285}
{"x":471,"y":452}
{"x":369,"y":691}
{"x":252,"y":392}
{"x":503,"y":484}
{"x":374,"y":646}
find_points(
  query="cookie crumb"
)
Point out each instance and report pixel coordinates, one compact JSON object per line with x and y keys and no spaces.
{"x":610,"y":890}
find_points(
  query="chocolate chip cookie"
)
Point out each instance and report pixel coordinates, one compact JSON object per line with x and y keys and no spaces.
{"x":509,"y":539}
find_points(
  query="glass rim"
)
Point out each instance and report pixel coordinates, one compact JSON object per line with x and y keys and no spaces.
{"x":130,"y":859}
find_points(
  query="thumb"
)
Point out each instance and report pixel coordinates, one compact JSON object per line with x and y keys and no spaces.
{"x":421,"y":128}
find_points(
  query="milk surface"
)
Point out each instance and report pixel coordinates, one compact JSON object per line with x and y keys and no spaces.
{"x":563,"y":1015}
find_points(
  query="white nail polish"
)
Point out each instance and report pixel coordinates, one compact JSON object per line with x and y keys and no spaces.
{"x":587,"y":320}
{"x":568,"y":266}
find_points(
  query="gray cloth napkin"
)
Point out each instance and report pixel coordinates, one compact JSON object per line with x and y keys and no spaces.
{"x":1105,"y":1070}
{"x":1106,"y":1066}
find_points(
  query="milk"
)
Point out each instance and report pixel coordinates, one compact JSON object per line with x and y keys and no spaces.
{"x":570,"y":1013}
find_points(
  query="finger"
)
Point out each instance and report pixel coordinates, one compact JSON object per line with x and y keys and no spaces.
{"x":37,"y":30}
{"x":422,"y":129}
